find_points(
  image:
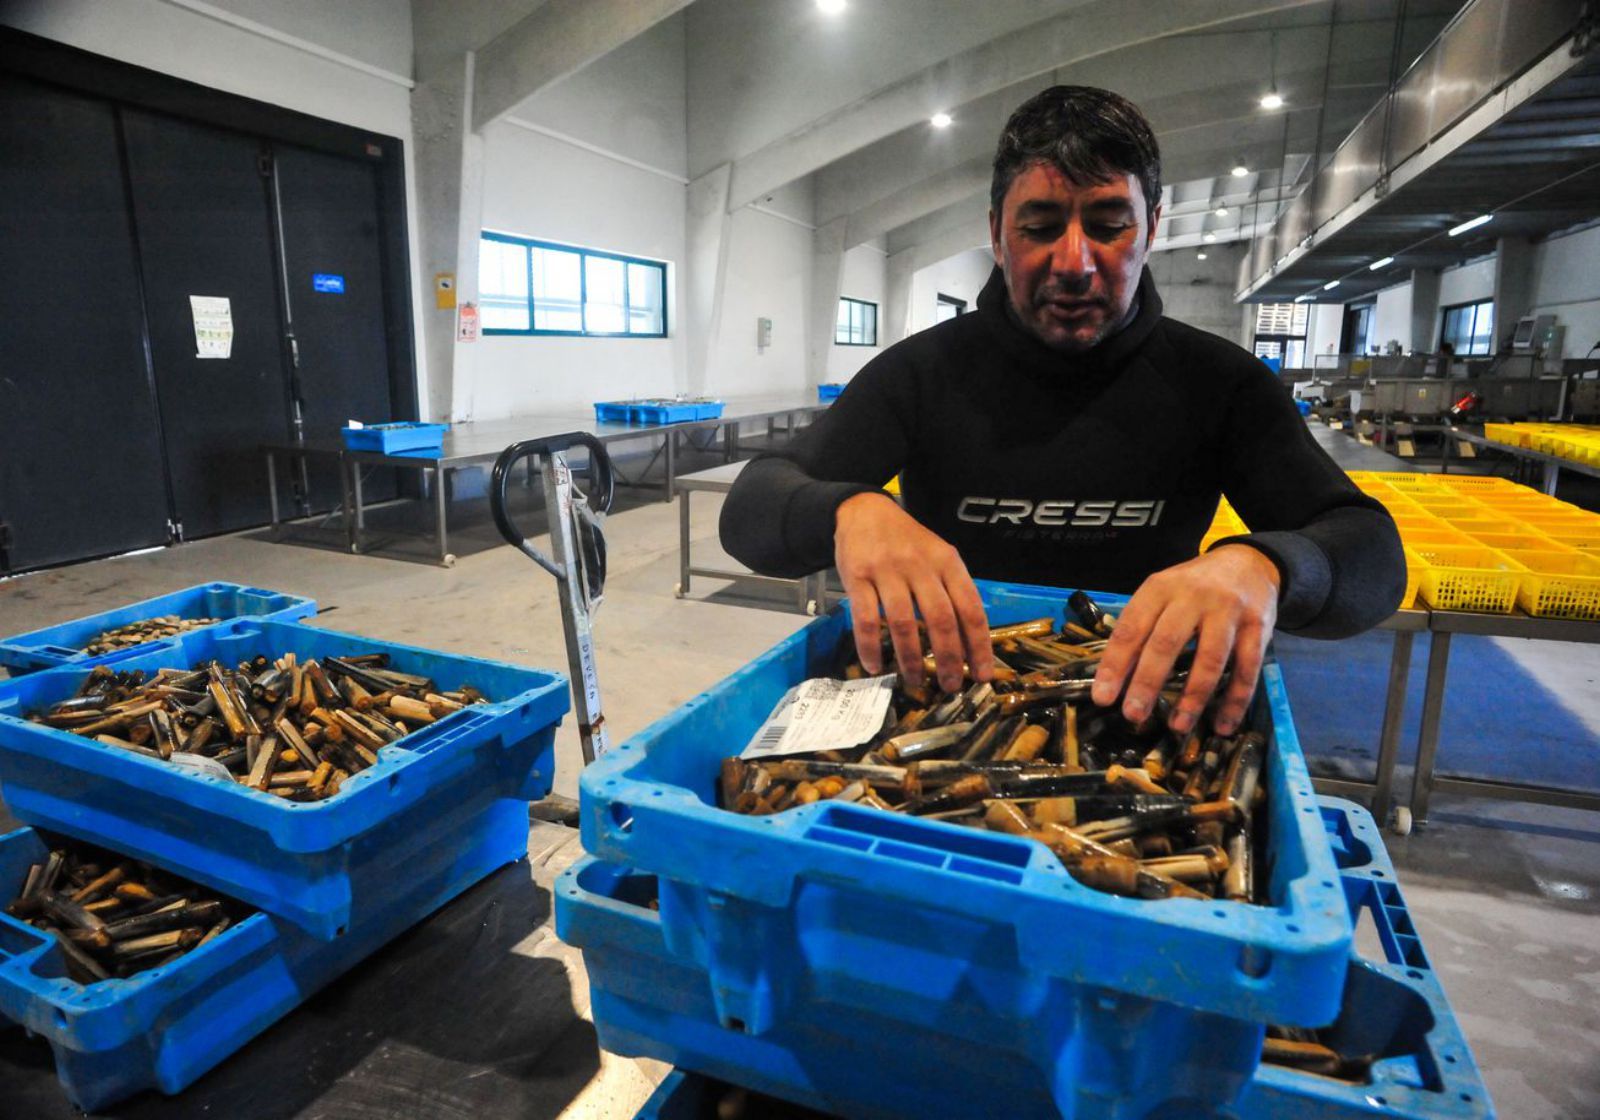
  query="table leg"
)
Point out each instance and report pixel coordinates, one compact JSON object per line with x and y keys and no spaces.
{"x":272,"y":492}
{"x":1552,"y":475}
{"x":355,"y":493}
{"x":671,"y":458}
{"x":683,"y":542}
{"x":439,"y":516}
{"x":352,"y":534}
{"x":1428,"y":740}
{"x":730,"y":442}
{"x":1394,"y":710}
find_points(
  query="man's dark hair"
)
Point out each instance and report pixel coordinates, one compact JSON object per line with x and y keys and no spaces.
{"x":1091,"y":134}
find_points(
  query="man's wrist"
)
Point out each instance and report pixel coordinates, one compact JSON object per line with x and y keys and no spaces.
{"x":1255,"y":558}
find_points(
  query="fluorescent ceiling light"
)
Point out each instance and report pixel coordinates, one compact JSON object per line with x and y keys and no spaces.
{"x":1471,"y":223}
{"x":1209,"y":237}
{"x":830,"y":7}
{"x":941,"y":120}
{"x":1200,"y":256}
{"x":1384,"y":263}
{"x":1272,"y":100}
{"x":1330,"y":285}
{"x":1303,"y":299}
{"x":1240,"y":171}
{"x":1221,"y":211}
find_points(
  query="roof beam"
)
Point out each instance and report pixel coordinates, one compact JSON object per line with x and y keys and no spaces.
{"x":558,"y":38}
{"x":1103,"y":27}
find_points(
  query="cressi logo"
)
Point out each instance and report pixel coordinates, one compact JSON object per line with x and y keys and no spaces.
{"x":1020,"y":511}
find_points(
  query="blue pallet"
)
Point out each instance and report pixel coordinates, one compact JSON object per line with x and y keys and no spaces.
{"x":649,"y":1000}
{"x":318,"y":864}
{"x":62,"y":644}
{"x":829,"y":392}
{"x":164,"y":1028}
{"x":650,"y":804}
{"x":396,"y":438}
{"x":612,"y":412}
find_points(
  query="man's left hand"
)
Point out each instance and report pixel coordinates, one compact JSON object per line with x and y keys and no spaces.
{"x":1227,"y":600}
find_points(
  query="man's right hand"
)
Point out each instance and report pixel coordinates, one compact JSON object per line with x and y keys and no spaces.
{"x":888,"y":561}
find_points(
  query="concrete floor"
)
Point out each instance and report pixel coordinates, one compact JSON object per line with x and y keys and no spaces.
{"x":1505,"y":897}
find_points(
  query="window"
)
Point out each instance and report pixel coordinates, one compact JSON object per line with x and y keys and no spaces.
{"x":1469,"y":327}
{"x":857,"y":324}
{"x":531,"y":287}
{"x":948,"y":307}
{"x":1281,"y":334}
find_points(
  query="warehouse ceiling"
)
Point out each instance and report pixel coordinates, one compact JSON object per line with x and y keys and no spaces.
{"x":841,"y":104}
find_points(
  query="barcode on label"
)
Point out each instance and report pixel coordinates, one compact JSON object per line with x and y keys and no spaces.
{"x":770,"y":736}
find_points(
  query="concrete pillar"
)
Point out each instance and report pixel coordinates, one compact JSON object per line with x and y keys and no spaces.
{"x":449,"y":169}
{"x":827,"y":285}
{"x":706,"y":261}
{"x":1424,"y":310}
{"x":1513,"y":285}
{"x":899,"y":270}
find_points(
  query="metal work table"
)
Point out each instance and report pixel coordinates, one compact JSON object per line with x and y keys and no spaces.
{"x":1553,"y":464}
{"x":810,"y":590}
{"x":480,"y":443}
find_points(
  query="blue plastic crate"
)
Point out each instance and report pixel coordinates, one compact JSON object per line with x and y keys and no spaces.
{"x":673,"y":412}
{"x":650,"y":804}
{"x":612,"y":412}
{"x":829,"y":391}
{"x":164,"y":1028}
{"x":62,"y":644}
{"x":650,"y":1000}
{"x":395,"y":438}
{"x":319,"y":864}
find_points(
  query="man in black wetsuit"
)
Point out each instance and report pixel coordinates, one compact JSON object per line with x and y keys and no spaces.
{"x":1069,"y":434}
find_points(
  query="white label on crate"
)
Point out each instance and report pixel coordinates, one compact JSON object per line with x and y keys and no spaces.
{"x":213,"y":326}
{"x":822,"y":714}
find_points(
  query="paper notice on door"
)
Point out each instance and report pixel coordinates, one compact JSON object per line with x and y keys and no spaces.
{"x":213,"y":326}
{"x":820,"y":715}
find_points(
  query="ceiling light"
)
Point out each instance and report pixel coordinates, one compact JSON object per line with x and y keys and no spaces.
{"x":1240,"y":171}
{"x":1303,"y":299}
{"x":1272,"y":100}
{"x":1200,"y":256}
{"x":1209,"y":237}
{"x":1221,"y":211}
{"x":941,"y":120}
{"x":830,"y":7}
{"x":1384,"y":263}
{"x":1473,"y":223}
{"x":1330,"y":285}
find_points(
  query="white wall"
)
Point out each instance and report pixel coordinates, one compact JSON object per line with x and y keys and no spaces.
{"x":962,"y":276}
{"x":1391,"y":318}
{"x":1324,"y":324}
{"x":1566,"y":284}
{"x":1200,"y":292}
{"x":768,"y":277}
{"x":348,"y":62}
{"x":1467,"y":283}
{"x":604,"y":171}
{"x":864,"y":268}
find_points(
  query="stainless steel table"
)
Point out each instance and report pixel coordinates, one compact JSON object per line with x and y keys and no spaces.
{"x":480,"y":443}
{"x":810,"y":591}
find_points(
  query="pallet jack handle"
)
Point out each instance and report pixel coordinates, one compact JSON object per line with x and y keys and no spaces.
{"x":577,"y":556}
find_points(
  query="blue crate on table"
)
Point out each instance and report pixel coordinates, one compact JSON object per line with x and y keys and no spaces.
{"x":612,"y":412}
{"x":829,"y":391}
{"x":396,"y":438}
{"x":318,"y":864}
{"x":959,"y":931}
{"x":649,"y":1000}
{"x":673,"y":412}
{"x":164,"y":1028}
{"x":62,"y":644}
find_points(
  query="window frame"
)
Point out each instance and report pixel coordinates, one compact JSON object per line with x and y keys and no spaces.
{"x":876,"y":311}
{"x":942,"y":300}
{"x":531,"y":243}
{"x":1474,"y":305}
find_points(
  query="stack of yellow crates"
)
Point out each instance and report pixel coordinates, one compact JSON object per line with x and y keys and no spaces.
{"x":1578,"y":442}
{"x":1481,"y":544}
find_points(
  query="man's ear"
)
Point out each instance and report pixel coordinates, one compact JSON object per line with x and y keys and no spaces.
{"x":1150,"y":234}
{"x":994,"y":237}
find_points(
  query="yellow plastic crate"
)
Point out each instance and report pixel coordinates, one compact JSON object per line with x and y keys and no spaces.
{"x":1414,"y":566}
{"x":1511,"y":541}
{"x":1443,"y":535}
{"x":1424,"y":521}
{"x":1472,"y":578}
{"x":1487,"y":523}
{"x":1479,"y":485}
{"x":1558,"y":584}
{"x":1576,"y":521}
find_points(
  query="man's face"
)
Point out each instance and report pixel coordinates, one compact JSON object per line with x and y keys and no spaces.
{"x":1071,"y":253}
